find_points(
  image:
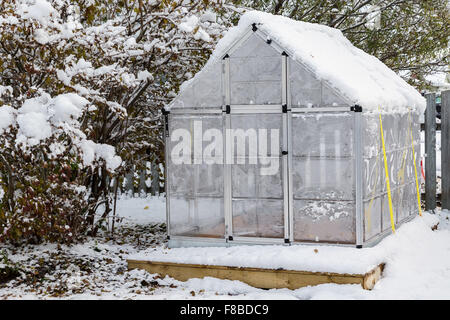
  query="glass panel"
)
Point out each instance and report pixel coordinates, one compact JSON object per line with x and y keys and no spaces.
{"x":323,"y":170}
{"x":258,"y":218}
{"x":399,"y":155}
{"x":205,"y":90}
{"x":403,"y":209}
{"x":245,"y":219}
{"x":181,"y":179}
{"x":372,"y":218}
{"x":385,"y":213}
{"x":371,"y":136}
{"x":255,"y":73}
{"x":412,"y":199}
{"x":308,"y":91}
{"x":196,"y":187}
{"x":391,"y":132}
{"x":324,"y":135}
{"x":244,"y":180}
{"x":257,"y":187}
{"x":331,"y":98}
{"x":391,"y":158}
{"x":209,"y":180}
{"x":200,"y":217}
{"x":401,"y":166}
{"x":323,"y":179}
{"x":211,"y":218}
{"x":270,"y":185}
{"x":321,"y":221}
{"x":372,"y":176}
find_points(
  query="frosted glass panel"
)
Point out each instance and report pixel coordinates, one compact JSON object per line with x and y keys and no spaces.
{"x":324,"y":135}
{"x":244,"y":180}
{"x":196,"y":188}
{"x":372,"y":176}
{"x":204,"y":91}
{"x":209,"y":180}
{"x":248,"y":182}
{"x":323,"y":179}
{"x":182,"y":179}
{"x":258,"y":218}
{"x":200,"y":217}
{"x":308,"y":91}
{"x":397,"y":132}
{"x":257,"y":186}
{"x":305,"y":88}
{"x":372,"y":218}
{"x":321,"y":221}
{"x":255,"y":73}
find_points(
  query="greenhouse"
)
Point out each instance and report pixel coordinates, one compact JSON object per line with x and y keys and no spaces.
{"x":277,"y":140}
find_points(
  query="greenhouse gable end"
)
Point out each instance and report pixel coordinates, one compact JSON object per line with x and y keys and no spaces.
{"x":277,"y":140}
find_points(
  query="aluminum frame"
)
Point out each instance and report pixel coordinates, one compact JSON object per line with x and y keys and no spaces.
{"x":320,"y":110}
{"x":184,"y":241}
{"x":285,"y":152}
{"x":255,"y":108}
{"x":195,"y":111}
{"x":227,"y":143}
{"x":255,"y":240}
{"x":166,"y":172}
{"x":240,"y":240}
{"x":358,"y":163}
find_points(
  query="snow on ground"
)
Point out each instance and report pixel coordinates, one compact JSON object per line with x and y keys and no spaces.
{"x":142,"y":210}
{"x":315,"y":258}
{"x":417,"y":265}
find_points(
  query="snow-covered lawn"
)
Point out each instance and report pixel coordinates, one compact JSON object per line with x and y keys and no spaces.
{"x":417,"y":266}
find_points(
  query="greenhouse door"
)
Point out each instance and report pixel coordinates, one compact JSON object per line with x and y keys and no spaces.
{"x":322,"y":176}
{"x":257,"y":174}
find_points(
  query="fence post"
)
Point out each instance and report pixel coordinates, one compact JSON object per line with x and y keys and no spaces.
{"x":155,"y":179}
{"x":129,"y":182}
{"x":142,"y":184}
{"x":445,"y":149}
{"x":430,"y":152}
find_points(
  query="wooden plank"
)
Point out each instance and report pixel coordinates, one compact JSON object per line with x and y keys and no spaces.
{"x":257,"y":277}
{"x":430,"y":152}
{"x":445,"y":149}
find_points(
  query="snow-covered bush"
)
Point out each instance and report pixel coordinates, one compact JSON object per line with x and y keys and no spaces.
{"x":81,"y":88}
{"x":42,"y":156}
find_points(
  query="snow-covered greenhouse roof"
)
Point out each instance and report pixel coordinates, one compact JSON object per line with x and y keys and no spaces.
{"x":357,"y":76}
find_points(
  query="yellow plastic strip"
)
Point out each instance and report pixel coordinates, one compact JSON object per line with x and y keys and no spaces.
{"x":415,"y":169}
{"x":388,"y":185}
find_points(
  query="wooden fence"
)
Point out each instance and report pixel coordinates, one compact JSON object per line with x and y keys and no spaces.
{"x":431,"y":128}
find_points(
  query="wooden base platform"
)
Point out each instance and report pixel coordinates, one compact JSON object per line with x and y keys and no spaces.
{"x":257,"y":277}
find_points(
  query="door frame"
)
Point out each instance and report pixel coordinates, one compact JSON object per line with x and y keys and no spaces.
{"x":228,"y":197}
